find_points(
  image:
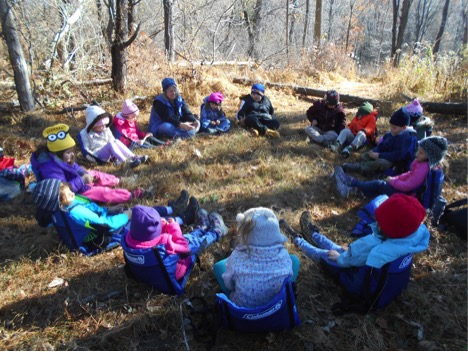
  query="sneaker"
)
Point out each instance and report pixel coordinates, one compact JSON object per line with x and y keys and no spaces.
{"x":346,"y":152}
{"x":352,"y":167}
{"x":143,"y":158}
{"x":254,"y":132}
{"x":180,"y":203}
{"x":189,"y":213}
{"x":307,"y":226}
{"x":272,"y":133}
{"x":288,"y":230}
{"x":203,"y":219}
{"x":334,"y":146}
{"x":217,"y":224}
{"x":343,"y":190}
{"x":135,"y":162}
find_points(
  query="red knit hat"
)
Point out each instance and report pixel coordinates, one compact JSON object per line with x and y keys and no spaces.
{"x":400,"y":215}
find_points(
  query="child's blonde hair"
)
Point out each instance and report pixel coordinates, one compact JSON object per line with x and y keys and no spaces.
{"x":62,"y":197}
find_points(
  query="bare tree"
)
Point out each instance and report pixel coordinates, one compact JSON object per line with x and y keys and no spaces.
{"x":253,"y":26}
{"x":318,"y":22}
{"x":169,"y":42}
{"x":306,"y":24}
{"x":17,"y":61}
{"x":442,"y":27}
{"x":396,"y":46}
{"x":330,"y":19}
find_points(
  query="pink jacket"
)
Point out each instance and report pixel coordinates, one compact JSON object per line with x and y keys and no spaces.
{"x":411,"y":180}
{"x":128,"y":129}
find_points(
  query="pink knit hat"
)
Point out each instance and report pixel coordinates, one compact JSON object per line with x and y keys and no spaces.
{"x":129,"y":108}
{"x":216,"y":97}
{"x":414,"y":108}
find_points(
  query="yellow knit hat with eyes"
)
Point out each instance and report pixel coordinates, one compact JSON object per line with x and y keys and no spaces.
{"x":58,"y":138}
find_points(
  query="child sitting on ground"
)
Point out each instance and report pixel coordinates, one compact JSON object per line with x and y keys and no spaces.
{"x":255,"y":271}
{"x":430,"y":154}
{"x":396,"y":148}
{"x":422,"y":124}
{"x":99,"y":142}
{"x":125,"y":124}
{"x":57,"y":160}
{"x":257,"y":113}
{"x":399,"y":230}
{"x":360,"y":129}
{"x":212,"y":117}
{"x":148,"y":230}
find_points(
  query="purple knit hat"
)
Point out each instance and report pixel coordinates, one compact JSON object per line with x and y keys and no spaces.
{"x":145,"y":227}
{"x":414,"y":108}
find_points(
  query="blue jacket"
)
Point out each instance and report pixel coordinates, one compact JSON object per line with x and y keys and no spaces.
{"x":207,"y":115}
{"x":164,"y":111}
{"x":397,"y":148}
{"x":376,"y":250}
{"x":85,"y":212}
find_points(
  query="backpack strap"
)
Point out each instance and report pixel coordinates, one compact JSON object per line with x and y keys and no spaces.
{"x":290,"y":304}
{"x":373,"y":298}
{"x":163,"y":268}
{"x":457,"y":203}
{"x":69,"y":230}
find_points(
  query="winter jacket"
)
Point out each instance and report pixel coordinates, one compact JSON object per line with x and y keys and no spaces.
{"x":397,"y":148}
{"x":262,"y":109}
{"x":366,"y":123}
{"x":128,"y":129}
{"x":92,"y":141}
{"x":85,"y":212}
{"x":48,"y":165}
{"x":164,"y":111}
{"x":255,"y":274}
{"x":207,"y":115}
{"x":411,"y":180}
{"x":376,"y":250}
{"x":327,"y":119}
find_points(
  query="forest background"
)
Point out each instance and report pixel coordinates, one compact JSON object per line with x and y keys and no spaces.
{"x":59,"y":56}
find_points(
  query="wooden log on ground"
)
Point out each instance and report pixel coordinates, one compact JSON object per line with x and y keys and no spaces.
{"x":439,"y":108}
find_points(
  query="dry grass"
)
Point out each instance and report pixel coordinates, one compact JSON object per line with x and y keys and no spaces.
{"x":99,"y":308}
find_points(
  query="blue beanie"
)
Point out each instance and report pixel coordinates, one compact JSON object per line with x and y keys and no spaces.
{"x":400,"y":118}
{"x":259,"y":87}
{"x":167,"y":82}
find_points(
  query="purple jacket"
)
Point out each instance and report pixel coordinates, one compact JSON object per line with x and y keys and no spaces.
{"x":48,"y":165}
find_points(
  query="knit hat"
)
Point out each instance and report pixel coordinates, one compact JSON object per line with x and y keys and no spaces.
{"x":435,"y":148}
{"x":96,"y":116}
{"x":414,"y":108}
{"x":168,"y":82}
{"x":365,"y":109}
{"x":129,"y":107}
{"x":216,"y":97}
{"x":266,"y":231}
{"x":332,"y":97}
{"x":58,"y":138}
{"x":400,"y":118}
{"x":145,"y":226}
{"x":46,"y":194}
{"x":400,"y":215}
{"x":259,"y":88}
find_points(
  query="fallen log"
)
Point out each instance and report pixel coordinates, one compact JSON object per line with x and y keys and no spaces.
{"x":439,"y":108}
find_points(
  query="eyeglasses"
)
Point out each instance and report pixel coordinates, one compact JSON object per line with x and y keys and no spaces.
{"x":254,"y":92}
{"x":54,"y":137}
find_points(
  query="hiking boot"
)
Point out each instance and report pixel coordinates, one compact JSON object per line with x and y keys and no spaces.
{"x":346,"y":152}
{"x":217,"y":224}
{"x":335,"y":146}
{"x":135,"y":162}
{"x":203,"y":219}
{"x":143,"y":158}
{"x":288,"y":230}
{"x":254,"y":132}
{"x":272,"y":133}
{"x":307,"y":226}
{"x":189,"y":213}
{"x":343,"y":190}
{"x":180,"y":203}
{"x":352,"y":167}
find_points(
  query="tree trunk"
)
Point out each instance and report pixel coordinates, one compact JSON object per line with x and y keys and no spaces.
{"x":318,"y":23}
{"x":306,"y":24}
{"x":287,"y":28}
{"x":442,"y":27}
{"x":330,"y":19}
{"x":169,"y":44}
{"x":396,"y":10}
{"x":401,"y":30}
{"x":350,"y":18}
{"x":118,"y":49}
{"x":15,"y":52}
{"x":131,"y":15}
{"x":253,"y":27}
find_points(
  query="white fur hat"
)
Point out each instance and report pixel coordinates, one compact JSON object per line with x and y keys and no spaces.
{"x":266,"y":231}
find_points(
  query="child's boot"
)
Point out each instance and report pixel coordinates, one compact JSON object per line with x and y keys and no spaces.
{"x":180,"y":203}
{"x":217,"y":224}
{"x":346,"y":152}
{"x":272,"y":133}
{"x":203,"y":219}
{"x":288,"y":230}
{"x":189,"y":214}
{"x":335,"y":146}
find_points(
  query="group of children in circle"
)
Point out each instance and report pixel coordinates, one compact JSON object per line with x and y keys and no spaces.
{"x":259,"y":263}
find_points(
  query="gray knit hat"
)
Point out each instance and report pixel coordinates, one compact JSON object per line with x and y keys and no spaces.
{"x":435,"y":148}
{"x":266,"y":231}
{"x":46,"y":194}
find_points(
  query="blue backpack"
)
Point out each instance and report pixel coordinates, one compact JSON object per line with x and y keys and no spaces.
{"x":278,"y":314}
{"x":367,"y":217}
{"x":432,"y":188}
{"x":155,"y":267}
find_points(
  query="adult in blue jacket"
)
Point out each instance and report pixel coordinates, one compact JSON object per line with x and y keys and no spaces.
{"x":170,"y":116}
